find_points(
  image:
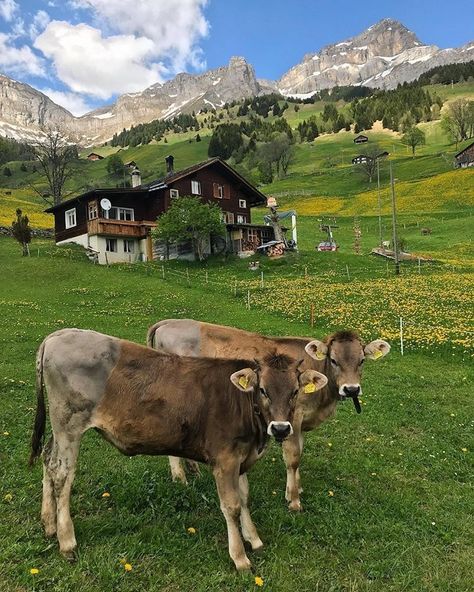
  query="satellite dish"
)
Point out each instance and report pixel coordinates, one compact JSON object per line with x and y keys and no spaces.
{"x":105,"y":204}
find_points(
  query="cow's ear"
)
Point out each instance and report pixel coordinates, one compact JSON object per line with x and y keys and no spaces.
{"x":376,"y":349}
{"x":244,"y":379}
{"x":317,"y":349}
{"x":312,"y":381}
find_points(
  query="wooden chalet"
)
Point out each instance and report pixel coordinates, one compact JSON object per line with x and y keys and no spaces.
{"x":361,"y":139}
{"x":465,"y":158}
{"x":116,"y":223}
{"x":94,"y":156}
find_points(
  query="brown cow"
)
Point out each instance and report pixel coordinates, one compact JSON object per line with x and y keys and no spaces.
{"x":219,"y":412}
{"x":339,"y":356}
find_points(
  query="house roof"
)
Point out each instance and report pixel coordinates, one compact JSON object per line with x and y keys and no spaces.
{"x":95,"y":154}
{"x":464,"y":150}
{"x":162,"y":183}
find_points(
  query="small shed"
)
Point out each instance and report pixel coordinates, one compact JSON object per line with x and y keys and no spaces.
{"x":94,"y":156}
{"x":361,"y":139}
{"x":131,"y":164}
{"x":465,"y":158}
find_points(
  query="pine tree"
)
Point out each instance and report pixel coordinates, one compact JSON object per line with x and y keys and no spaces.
{"x":22,"y":232}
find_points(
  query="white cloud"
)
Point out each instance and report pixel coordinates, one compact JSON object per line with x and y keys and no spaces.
{"x":73,"y":102}
{"x":19,"y":60}
{"x":39,"y":23}
{"x":91,"y":64}
{"x":8,"y":8}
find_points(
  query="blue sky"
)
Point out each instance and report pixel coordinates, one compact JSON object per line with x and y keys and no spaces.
{"x":83,"y":53}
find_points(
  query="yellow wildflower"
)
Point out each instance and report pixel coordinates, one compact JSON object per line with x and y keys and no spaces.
{"x":34,"y":571}
{"x":464,"y":449}
{"x":258,"y":581}
{"x":191,"y":530}
{"x":6,"y":433}
{"x":106,"y":494}
{"x":8,"y":497}
{"x":331,"y":493}
{"x":127,"y":567}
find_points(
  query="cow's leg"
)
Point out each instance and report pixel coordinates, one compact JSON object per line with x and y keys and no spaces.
{"x":227,"y":481}
{"x":292,"y":448}
{"x":177,"y":469}
{"x":48,"y":506}
{"x":193,"y":467}
{"x":249,"y":531}
{"x":61,"y":468}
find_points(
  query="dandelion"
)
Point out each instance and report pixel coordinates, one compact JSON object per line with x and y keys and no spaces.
{"x":127,"y":567}
{"x":34,"y":571}
{"x":464,"y":449}
{"x":331,"y":493}
{"x":106,"y":494}
{"x":6,"y":433}
{"x":191,"y":530}
{"x":258,"y":581}
{"x":8,"y":497}
{"x":329,"y":444}
{"x":274,"y":492}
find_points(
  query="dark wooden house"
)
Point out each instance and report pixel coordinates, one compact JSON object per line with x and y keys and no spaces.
{"x":465,"y":158}
{"x":94,"y":156}
{"x":361,"y":139}
{"x":116,"y":223}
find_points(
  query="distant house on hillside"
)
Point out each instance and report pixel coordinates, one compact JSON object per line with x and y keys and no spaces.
{"x":361,"y":159}
{"x":361,"y":139}
{"x":94,"y":156}
{"x":116,"y":223}
{"x":131,"y":164}
{"x":465,"y":158}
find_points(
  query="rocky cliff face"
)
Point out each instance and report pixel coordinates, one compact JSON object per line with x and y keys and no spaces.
{"x":383,"y":56}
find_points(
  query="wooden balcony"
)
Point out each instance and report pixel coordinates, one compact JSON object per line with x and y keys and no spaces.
{"x":126,"y":228}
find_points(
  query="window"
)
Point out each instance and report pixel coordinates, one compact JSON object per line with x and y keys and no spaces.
{"x":128,"y":246}
{"x":70,"y":216}
{"x":242,"y":203}
{"x":120,"y":214}
{"x":111,"y":245}
{"x":228,"y":217}
{"x":195,"y":187}
{"x":174,"y":193}
{"x":252,"y":234}
{"x":93,"y":211}
{"x":241,"y":219}
{"x":221,"y":191}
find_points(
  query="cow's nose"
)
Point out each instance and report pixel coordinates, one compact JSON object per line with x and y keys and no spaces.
{"x":280,"y":429}
{"x":351,"y":390}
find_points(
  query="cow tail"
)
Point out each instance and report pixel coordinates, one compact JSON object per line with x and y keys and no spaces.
{"x":150,"y":336}
{"x":40,"y":418}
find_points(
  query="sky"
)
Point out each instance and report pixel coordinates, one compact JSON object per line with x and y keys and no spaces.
{"x":84,"y":53}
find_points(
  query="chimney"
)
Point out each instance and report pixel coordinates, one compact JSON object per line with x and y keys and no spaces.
{"x":169,"y":165}
{"x":136,"y":177}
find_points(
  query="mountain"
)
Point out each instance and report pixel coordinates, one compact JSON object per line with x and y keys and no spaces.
{"x":383,"y":56}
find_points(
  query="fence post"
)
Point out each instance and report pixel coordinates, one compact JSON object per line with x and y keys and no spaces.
{"x":387,"y":268}
{"x":248,"y":299}
{"x":163,"y":271}
{"x":305,"y":271}
{"x":207,"y":278}
{"x":401,"y":336}
{"x":312,"y":315}
{"x":419,"y":265}
{"x":348,"y":275}
{"x":261,"y":280}
{"x":187,"y":275}
{"x":235,"y":287}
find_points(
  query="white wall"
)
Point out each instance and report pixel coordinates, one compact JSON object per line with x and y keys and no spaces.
{"x":81,"y":239}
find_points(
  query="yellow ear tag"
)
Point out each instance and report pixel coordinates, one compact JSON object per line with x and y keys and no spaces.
{"x":320,"y":355}
{"x":309,"y":388}
{"x":244,"y":382}
{"x":377,"y":354}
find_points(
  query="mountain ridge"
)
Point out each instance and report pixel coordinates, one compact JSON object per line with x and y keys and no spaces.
{"x":382,"y":56}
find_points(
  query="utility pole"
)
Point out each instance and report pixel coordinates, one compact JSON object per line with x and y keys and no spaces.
{"x":380,"y":203}
{"x":394,"y":225}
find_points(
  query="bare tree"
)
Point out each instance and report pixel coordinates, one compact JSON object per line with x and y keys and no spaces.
{"x":368,"y":163}
{"x":458,"y":120}
{"x":56,"y":158}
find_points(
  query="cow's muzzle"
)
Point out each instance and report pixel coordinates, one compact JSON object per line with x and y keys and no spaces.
{"x":280,"y":430}
{"x":351,"y":391}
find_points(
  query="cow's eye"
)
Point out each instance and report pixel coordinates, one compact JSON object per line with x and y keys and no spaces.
{"x":333,"y":362}
{"x":362,"y":361}
{"x":295,"y":392}
{"x":263,"y":392}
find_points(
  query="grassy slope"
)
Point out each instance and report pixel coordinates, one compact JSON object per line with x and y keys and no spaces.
{"x":400,"y":478}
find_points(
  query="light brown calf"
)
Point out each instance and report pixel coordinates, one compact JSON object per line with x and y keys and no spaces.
{"x":219,"y":412}
{"x":339,"y":356}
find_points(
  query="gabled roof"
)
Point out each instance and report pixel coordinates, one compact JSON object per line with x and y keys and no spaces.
{"x":106,"y":191}
{"x":260,"y":198}
{"x":464,"y":150}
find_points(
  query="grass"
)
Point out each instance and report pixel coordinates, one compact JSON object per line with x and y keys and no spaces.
{"x":400,"y":473}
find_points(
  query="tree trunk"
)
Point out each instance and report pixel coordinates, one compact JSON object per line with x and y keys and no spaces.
{"x":26,"y":251}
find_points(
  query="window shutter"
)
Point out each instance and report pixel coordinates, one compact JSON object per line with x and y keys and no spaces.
{"x":215,"y":187}
{"x":226,"y":191}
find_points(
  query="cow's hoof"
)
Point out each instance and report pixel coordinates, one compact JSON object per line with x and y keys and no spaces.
{"x":243,"y":564}
{"x":69,"y":555}
{"x":257,"y":546}
{"x":50,"y":532}
{"x":193,"y":468}
{"x":295,"y":507}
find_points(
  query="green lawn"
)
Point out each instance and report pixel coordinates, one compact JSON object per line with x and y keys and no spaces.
{"x":401,"y":473}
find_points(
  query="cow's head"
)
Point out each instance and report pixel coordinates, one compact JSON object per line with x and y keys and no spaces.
{"x":276,"y":382}
{"x":344,"y":354}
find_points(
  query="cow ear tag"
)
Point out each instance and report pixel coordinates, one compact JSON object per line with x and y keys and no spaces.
{"x":309,"y":388}
{"x":244,"y":382}
{"x":377,"y":354}
{"x":320,"y":356}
